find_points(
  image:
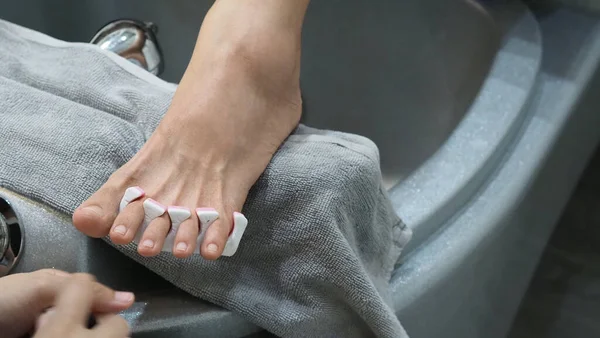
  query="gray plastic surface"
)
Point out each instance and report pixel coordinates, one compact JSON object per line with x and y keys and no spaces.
{"x":467,"y":279}
{"x":427,"y":199}
{"x":403,"y":73}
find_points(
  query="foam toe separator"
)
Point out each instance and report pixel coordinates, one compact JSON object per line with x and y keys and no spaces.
{"x":152,"y":210}
{"x":178,"y":215}
{"x":239,"y":226}
{"x":206,"y":217}
{"x":130,"y":195}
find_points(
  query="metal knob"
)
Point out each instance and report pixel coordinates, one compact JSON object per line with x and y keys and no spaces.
{"x":11,"y":238}
{"x":133,"y":40}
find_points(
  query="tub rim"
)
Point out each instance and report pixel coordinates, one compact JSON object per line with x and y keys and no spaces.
{"x":446,"y":182}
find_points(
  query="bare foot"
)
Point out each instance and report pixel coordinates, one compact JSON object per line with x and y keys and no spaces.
{"x":231,"y":112}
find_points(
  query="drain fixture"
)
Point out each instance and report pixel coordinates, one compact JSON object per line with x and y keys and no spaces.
{"x":11,"y":238}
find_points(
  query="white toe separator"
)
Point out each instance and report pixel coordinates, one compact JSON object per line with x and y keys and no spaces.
{"x":206,"y":217}
{"x":177,"y":215}
{"x":130,"y":195}
{"x":239,"y":226}
{"x":152,"y":210}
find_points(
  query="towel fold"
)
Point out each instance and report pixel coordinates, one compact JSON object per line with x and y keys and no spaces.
{"x":323,"y":238}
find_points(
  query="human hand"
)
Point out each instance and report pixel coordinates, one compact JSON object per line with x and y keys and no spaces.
{"x":25,"y":296}
{"x":69,"y":317}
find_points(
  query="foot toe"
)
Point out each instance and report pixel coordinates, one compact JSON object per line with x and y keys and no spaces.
{"x":154,"y":237}
{"x":127,"y":223}
{"x":216,"y":237}
{"x":206,"y":217}
{"x":96,"y":215}
{"x":177,"y":215}
{"x":185,"y":240}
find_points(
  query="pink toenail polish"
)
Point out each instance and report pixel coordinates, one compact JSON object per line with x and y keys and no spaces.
{"x":181,"y":247}
{"x":148,"y":243}
{"x":120,"y":229}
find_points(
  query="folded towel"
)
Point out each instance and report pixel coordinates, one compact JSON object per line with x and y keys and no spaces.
{"x":323,"y":238}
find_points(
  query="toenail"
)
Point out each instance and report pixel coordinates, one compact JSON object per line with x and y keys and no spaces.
{"x":212,"y":248}
{"x":95,"y":209}
{"x":120,"y":229}
{"x":181,"y":246}
{"x":148,"y":243}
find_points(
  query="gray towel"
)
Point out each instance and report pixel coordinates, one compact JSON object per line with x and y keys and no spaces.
{"x":323,"y":238}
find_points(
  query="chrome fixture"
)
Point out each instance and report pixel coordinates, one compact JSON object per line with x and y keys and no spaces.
{"x":11,"y":238}
{"x":133,"y":40}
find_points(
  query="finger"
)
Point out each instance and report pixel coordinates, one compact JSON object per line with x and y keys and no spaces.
{"x":44,"y":319}
{"x":52,"y":272}
{"x":46,"y":284}
{"x":49,"y":283}
{"x":74,"y":303}
{"x":108,"y":300}
{"x":111,"y":326}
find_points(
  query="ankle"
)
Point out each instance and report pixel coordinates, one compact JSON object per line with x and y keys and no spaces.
{"x":252,"y":45}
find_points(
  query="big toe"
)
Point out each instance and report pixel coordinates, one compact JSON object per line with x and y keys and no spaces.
{"x":96,"y":215}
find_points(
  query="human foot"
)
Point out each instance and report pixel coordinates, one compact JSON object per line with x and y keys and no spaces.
{"x":231,"y":112}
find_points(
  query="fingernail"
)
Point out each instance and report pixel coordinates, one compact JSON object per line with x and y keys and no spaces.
{"x":95,"y":209}
{"x":120,"y":229}
{"x":181,"y":246}
{"x":148,"y":243}
{"x":212,"y":248}
{"x":123,"y":297}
